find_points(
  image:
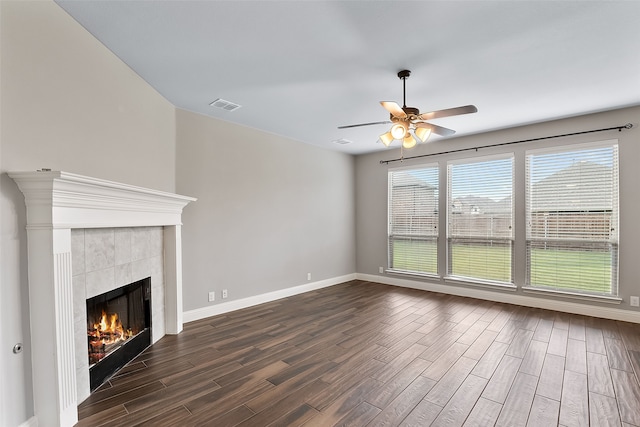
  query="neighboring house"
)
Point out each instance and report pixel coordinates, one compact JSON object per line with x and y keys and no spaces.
{"x":581,"y":200}
{"x":414,"y":206}
{"x":481,"y":217}
{"x":475,"y":205}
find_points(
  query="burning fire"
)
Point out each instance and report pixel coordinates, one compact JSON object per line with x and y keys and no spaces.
{"x":113,"y":327}
{"x":105,"y":334}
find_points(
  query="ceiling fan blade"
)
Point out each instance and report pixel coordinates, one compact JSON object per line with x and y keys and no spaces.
{"x":449,"y":112}
{"x":386,"y":122}
{"x":394,"y":109}
{"x":438,"y":130}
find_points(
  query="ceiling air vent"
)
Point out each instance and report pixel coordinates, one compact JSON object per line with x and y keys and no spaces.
{"x":342,"y":141}
{"x":225,"y":105}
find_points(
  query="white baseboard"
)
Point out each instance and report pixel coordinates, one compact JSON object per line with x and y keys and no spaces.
{"x":31,"y":422}
{"x":504,"y":297}
{"x":510,"y":298}
{"x":214,"y":310}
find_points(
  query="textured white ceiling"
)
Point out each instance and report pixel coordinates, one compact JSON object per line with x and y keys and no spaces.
{"x":300,"y":69}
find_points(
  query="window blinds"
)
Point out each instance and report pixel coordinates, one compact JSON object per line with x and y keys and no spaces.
{"x":572,"y":218}
{"x":480,"y":219}
{"x":413,"y":219}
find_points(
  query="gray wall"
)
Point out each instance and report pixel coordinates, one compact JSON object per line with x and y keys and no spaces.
{"x":371,"y":189}
{"x":269,"y":211}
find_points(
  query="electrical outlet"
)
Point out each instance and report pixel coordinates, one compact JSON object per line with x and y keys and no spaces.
{"x":224,"y":294}
{"x":634,"y":301}
{"x":308,"y":276}
{"x":380,"y":269}
{"x":212,"y":296}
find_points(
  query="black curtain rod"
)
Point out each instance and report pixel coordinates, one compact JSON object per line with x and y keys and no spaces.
{"x":618,"y":128}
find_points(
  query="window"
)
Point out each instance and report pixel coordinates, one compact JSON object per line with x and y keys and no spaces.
{"x":413,"y":220}
{"x":572,"y":218}
{"x":480,"y":219}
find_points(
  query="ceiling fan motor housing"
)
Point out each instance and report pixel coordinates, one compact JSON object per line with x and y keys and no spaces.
{"x":411,"y":112}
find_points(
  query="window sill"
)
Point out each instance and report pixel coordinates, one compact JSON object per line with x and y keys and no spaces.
{"x":575,"y":295}
{"x":412,"y":273}
{"x":480,"y":283}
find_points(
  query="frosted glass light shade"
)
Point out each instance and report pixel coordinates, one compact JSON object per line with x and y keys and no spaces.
{"x":423,"y":133}
{"x":409,"y":141}
{"x":399,"y":130}
{"x":386,"y":139}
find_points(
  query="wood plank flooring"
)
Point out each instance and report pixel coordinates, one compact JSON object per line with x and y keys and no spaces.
{"x":366,"y":354}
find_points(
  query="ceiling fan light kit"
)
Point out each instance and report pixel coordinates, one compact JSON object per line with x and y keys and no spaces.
{"x":409,"y":141}
{"x":408,"y":119}
{"x":386,"y":139}
{"x":399,"y":130}
{"x":423,"y":133}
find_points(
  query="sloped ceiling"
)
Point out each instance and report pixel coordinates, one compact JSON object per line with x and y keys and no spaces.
{"x":300,"y":69}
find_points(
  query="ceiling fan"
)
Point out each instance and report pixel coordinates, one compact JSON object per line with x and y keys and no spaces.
{"x":408,"y":119}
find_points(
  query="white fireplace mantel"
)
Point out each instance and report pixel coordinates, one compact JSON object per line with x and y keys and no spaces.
{"x":65,"y":200}
{"x":56,"y":203}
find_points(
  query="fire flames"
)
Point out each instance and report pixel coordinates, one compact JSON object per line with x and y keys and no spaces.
{"x":105,"y":335}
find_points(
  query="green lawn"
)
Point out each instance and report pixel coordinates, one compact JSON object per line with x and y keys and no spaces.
{"x":565,"y":269}
{"x":415,"y":255}
{"x":482,"y":262}
{"x":550,"y":268}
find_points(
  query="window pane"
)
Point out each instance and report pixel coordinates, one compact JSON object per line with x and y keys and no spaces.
{"x":413,"y":219}
{"x":414,"y":254}
{"x":480,"y":219}
{"x":577,"y":267}
{"x":572,"y":218}
{"x":482,"y":259}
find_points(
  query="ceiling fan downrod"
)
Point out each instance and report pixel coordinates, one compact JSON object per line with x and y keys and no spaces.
{"x":404,"y":75}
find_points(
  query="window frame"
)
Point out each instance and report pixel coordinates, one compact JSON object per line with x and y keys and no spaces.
{"x":569,"y":245}
{"x":450,"y":276}
{"x":392,"y":236}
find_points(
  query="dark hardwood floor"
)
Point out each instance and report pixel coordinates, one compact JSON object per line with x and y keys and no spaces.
{"x":365,"y":354}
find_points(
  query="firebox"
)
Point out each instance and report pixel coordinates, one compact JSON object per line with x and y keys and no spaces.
{"x":118,"y":329}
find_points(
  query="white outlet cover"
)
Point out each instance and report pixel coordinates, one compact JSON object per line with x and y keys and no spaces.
{"x":634,"y":301}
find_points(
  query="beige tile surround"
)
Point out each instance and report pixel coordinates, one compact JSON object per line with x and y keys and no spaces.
{"x":104,"y":259}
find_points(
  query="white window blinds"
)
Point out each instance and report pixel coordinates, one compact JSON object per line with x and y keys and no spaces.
{"x":480,"y":219}
{"x":413,"y":219}
{"x":572,"y":218}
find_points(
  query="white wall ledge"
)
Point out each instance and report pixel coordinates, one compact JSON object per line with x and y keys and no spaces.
{"x":411,"y":274}
{"x":480,"y":283}
{"x":572,"y":295}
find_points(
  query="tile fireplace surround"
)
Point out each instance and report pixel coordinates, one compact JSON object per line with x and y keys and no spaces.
{"x":59,"y":206}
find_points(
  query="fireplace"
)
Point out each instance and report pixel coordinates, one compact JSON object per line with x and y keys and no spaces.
{"x":118,"y":329}
{"x":59,"y":204}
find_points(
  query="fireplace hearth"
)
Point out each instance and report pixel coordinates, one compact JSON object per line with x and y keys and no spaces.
{"x":118,"y":329}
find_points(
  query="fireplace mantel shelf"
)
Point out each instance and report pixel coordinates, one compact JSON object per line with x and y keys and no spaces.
{"x":79,"y":201}
{"x":58,"y":202}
